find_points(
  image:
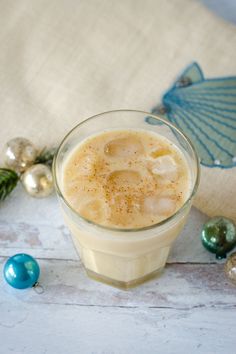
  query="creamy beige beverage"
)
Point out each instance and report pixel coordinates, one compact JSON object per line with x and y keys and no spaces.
{"x":126,"y":179}
{"x":125,"y":182}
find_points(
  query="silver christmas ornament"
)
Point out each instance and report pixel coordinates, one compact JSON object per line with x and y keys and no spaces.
{"x":38,"y":181}
{"x":230,"y":268}
{"x":19,"y":154}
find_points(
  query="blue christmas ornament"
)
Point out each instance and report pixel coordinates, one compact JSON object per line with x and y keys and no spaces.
{"x":21,"y":271}
{"x":205,"y":109}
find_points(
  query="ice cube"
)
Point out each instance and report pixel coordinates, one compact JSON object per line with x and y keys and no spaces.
{"x":156,"y":205}
{"x":124,"y":208}
{"x":161,"y":151}
{"x":87,"y":165}
{"x":124,"y":147}
{"x":168,"y":192}
{"x":94,"y":210}
{"x":123,"y":179}
{"x":166,"y":167}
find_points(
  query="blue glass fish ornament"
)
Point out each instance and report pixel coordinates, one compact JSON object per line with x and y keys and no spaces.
{"x":205,"y":109}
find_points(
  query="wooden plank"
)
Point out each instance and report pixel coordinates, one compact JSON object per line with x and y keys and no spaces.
{"x":39,"y":329}
{"x":182,"y":286}
{"x":40,"y":240}
{"x":36,"y":227}
{"x":176,"y":313}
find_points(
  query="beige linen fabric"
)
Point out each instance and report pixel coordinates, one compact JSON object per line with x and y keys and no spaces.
{"x":63,"y":60}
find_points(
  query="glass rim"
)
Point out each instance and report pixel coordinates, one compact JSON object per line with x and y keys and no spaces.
{"x":118,"y":229}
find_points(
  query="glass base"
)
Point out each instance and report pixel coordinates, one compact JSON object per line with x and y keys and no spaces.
{"x":122,"y":284}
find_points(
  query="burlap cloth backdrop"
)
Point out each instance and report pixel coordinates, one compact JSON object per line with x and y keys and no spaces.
{"x":64,"y":60}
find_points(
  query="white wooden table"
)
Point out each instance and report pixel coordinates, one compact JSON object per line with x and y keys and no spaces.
{"x":190,"y":309}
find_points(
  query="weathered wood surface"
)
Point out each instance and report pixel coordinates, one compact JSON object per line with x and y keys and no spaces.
{"x":181,"y":286}
{"x":36,"y":227}
{"x":49,"y":329}
{"x":191,"y":308}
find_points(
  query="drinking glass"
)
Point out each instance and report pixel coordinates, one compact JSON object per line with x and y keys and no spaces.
{"x":124,"y":257}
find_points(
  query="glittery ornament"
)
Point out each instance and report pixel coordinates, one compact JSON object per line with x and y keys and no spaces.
{"x":230,"y":267}
{"x":219,"y":236}
{"x":38,"y":181}
{"x":19,"y":153}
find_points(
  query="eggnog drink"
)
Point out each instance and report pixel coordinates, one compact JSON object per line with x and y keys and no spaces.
{"x":125,"y":193}
{"x":126,"y":179}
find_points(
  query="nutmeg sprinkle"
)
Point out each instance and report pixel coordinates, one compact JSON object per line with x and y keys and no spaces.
{"x":126,"y":178}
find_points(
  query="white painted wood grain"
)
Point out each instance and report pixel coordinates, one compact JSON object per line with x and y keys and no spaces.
{"x":181,"y":286}
{"x":191,"y":308}
{"x":36,"y":226}
{"x":69,"y":329}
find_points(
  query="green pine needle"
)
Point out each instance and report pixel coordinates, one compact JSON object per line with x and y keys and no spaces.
{"x":46,"y":156}
{"x":8,"y":181}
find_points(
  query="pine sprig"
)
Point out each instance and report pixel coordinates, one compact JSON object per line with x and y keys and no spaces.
{"x":46,"y":156}
{"x":8,"y":181}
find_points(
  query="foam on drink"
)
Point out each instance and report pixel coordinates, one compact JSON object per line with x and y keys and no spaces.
{"x":126,"y":178}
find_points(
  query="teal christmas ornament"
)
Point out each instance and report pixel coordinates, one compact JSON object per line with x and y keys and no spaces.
{"x":219,"y":236}
{"x":21,"y":271}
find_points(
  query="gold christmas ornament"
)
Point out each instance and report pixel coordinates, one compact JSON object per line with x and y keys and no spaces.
{"x":38,"y":181}
{"x":230,"y":267}
{"x":19,"y":153}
